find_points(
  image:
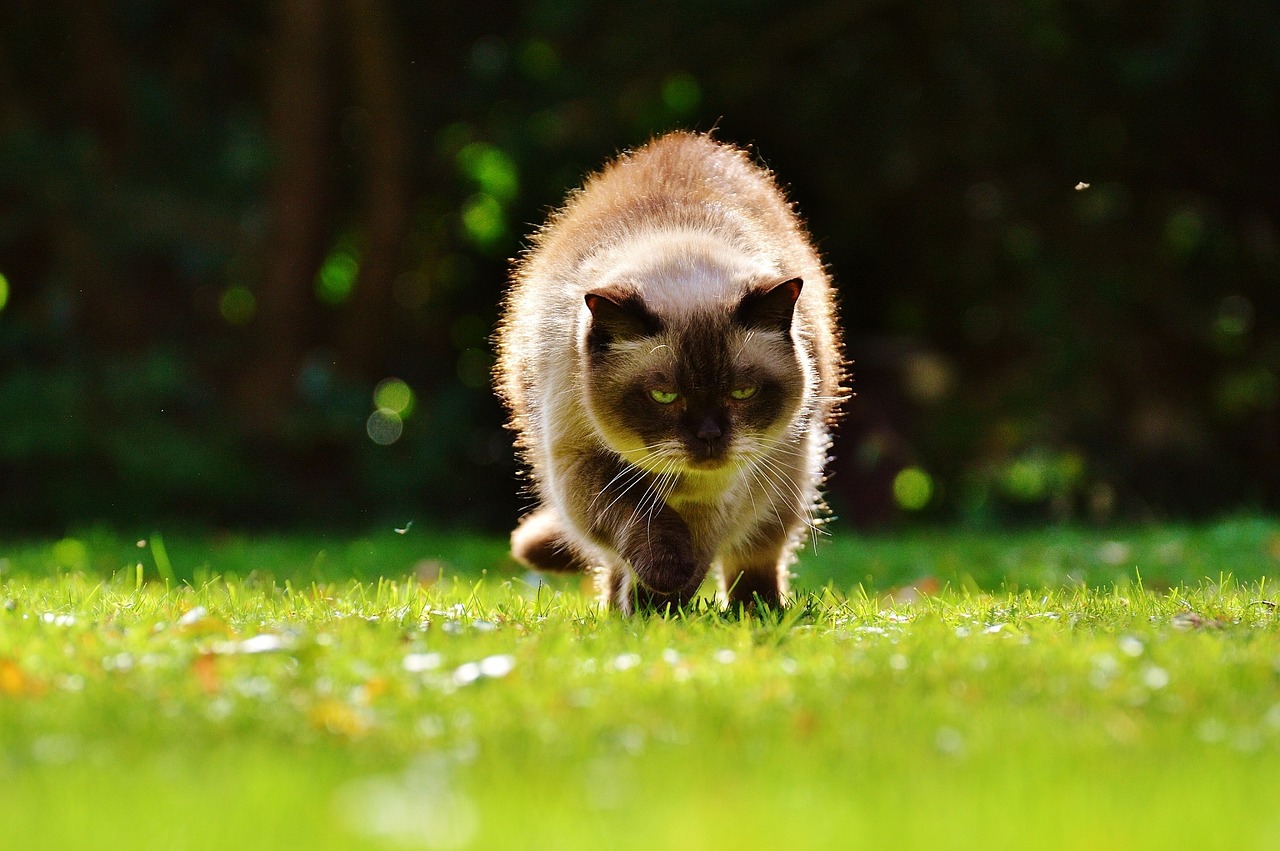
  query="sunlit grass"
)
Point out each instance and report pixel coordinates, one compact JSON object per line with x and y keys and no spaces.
{"x":1021,"y":691}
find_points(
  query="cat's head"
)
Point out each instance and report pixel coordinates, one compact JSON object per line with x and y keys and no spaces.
{"x":701,"y":390}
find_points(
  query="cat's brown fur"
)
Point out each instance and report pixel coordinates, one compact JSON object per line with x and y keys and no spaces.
{"x":669,"y":353}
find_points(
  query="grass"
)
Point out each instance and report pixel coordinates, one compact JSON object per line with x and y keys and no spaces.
{"x":930,"y":690}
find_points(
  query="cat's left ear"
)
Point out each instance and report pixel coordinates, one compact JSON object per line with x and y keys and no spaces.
{"x":617,"y":316}
{"x":769,"y":308}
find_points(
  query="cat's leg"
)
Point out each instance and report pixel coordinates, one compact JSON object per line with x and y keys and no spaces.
{"x":756,"y":571}
{"x":621,"y":591}
{"x":667,"y":571}
{"x":759,"y":573}
{"x":540,"y":542}
{"x":618,"y":589}
{"x":654,"y":602}
{"x":615,"y":586}
{"x":621,"y":509}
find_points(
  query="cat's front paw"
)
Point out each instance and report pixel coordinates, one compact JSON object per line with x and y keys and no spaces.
{"x":663,"y":559}
{"x":669,"y":572}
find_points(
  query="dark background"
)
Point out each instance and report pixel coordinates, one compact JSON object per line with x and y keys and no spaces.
{"x":223,"y":224}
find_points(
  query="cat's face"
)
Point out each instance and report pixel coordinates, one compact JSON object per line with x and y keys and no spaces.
{"x":702,"y":392}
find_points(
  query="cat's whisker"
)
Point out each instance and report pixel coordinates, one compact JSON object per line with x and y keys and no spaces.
{"x":635,"y":471}
{"x":629,"y":469}
{"x":656,"y":494}
{"x":641,"y":475}
{"x":806,"y":510}
{"x":758,"y":476}
{"x":802,"y":517}
{"x":632,"y":475}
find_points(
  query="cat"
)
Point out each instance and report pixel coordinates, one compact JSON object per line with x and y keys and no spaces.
{"x":670,"y":356}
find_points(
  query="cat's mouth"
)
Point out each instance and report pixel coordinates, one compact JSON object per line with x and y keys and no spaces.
{"x":707,"y":458}
{"x":708,"y":463}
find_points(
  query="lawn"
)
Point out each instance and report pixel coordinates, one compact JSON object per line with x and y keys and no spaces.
{"x":1065,"y":688}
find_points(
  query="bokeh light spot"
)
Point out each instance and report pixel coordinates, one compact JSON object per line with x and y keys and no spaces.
{"x":538,"y":60}
{"x":337,"y":277}
{"x":384,"y":427}
{"x":237,"y":305}
{"x":1184,"y":230}
{"x":681,"y":93}
{"x":548,"y":127}
{"x":71,"y":553}
{"x":1242,"y":393}
{"x":1235,"y":317}
{"x":454,"y":137}
{"x":488,"y":57}
{"x":395,"y":395}
{"x":912,"y":488}
{"x":1027,"y":479}
{"x":474,"y":366}
{"x":928,"y":377}
{"x":4,"y":291}
{"x":483,"y":221}
{"x":492,"y":170}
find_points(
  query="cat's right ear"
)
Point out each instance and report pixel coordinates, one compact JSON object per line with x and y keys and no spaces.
{"x":771,"y":307}
{"x":618,"y":316}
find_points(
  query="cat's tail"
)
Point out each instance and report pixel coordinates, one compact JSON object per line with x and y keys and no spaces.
{"x":540,"y":542}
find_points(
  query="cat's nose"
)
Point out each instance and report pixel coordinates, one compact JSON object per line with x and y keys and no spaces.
{"x":709,"y":430}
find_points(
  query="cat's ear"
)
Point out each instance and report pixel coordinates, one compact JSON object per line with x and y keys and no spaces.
{"x":617,"y":316}
{"x":769,"y":308}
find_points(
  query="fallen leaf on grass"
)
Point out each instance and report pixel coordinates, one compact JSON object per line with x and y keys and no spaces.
{"x":428,"y":571}
{"x":336,"y":717}
{"x":198,"y":621}
{"x":205,"y":669}
{"x":926,"y":586}
{"x":372,"y":689}
{"x":1195,"y":620}
{"x":804,"y":724}
{"x":14,"y":682}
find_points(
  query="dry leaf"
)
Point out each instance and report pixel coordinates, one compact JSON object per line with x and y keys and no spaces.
{"x":926,"y":586}
{"x":1195,"y":620}
{"x":13,"y":682}
{"x":428,"y":571}
{"x":205,"y":669}
{"x":336,"y":717}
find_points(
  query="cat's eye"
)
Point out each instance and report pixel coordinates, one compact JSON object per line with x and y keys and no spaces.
{"x":664,"y":397}
{"x":741,"y":393}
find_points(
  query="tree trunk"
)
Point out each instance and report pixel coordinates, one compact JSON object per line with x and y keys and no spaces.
{"x":297,"y":116}
{"x":385,"y":215}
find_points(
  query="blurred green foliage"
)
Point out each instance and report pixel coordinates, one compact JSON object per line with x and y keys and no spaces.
{"x":225,"y":227}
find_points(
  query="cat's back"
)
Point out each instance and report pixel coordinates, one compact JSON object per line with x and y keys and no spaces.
{"x":678,"y":181}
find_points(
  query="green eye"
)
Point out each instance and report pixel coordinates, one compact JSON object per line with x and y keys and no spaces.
{"x":664,"y":397}
{"x":742,"y":393}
